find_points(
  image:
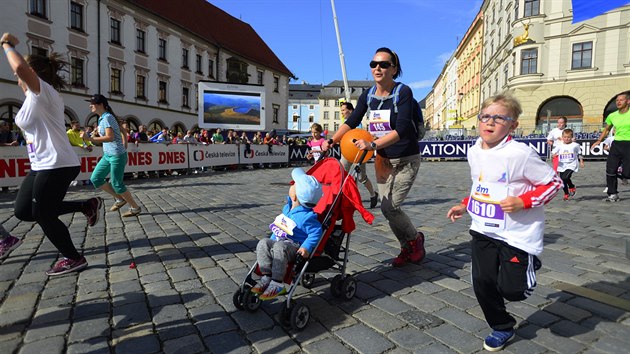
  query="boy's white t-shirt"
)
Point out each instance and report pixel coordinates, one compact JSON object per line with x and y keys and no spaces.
{"x":568,"y":156}
{"x":42,"y":119}
{"x":518,"y":169}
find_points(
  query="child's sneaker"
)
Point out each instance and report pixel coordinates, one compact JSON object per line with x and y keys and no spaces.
{"x":606,"y":190}
{"x":67,"y":265}
{"x":274,"y":289}
{"x":566,"y":197}
{"x":262,"y":285}
{"x":118,"y":203}
{"x":8,"y":244}
{"x":572,"y":192}
{"x":497,"y":340}
{"x":612,"y":198}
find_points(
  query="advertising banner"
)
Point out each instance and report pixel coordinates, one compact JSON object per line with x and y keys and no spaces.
{"x":253,"y":154}
{"x":155,"y":157}
{"x":299,"y":153}
{"x":212,"y":155}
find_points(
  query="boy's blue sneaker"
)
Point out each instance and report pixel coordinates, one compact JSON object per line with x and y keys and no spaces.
{"x":497,"y":340}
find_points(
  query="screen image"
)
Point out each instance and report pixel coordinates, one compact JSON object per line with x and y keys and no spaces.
{"x":231,"y":106}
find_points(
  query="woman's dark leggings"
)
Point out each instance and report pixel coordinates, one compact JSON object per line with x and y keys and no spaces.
{"x":40,"y":199}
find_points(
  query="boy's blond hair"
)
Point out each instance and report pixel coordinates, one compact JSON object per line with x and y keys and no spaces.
{"x":568,"y":131}
{"x":506,"y":100}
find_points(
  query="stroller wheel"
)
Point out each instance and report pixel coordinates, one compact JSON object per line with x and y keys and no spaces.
{"x":251,"y":302}
{"x":237,"y":299}
{"x":300,"y":314}
{"x":335,"y":285}
{"x":348,"y":288}
{"x":307,"y":280}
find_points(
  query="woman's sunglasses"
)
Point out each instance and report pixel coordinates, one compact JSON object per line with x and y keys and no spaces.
{"x":382,"y":64}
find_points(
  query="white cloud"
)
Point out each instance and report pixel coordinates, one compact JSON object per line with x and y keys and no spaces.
{"x":443,"y":58}
{"x":421,"y":84}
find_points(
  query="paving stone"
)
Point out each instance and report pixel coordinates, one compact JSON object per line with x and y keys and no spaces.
{"x":454,"y":338}
{"x":379,"y":320}
{"x":88,"y":329}
{"x":188,"y":344}
{"x":52,"y":345}
{"x":328,"y":345}
{"x":230,"y":342}
{"x":363,"y":339}
{"x":273,"y":340}
{"x":97,"y":346}
{"x":423,"y":301}
{"x":39,"y":332}
{"x":569,"y":312}
{"x":411,"y":339}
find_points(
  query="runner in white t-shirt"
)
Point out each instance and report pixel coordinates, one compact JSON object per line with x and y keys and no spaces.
{"x":510,"y":186}
{"x":54,"y":164}
{"x":569,"y":155}
{"x":554,"y":137}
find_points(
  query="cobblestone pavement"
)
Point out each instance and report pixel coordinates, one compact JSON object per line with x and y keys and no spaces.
{"x":195,"y":241}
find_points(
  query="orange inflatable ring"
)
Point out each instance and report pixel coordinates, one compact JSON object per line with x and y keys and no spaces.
{"x":350,"y":151}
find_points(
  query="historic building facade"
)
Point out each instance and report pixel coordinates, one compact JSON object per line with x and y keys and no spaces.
{"x":330,"y":99}
{"x":303,"y":106}
{"x":145,"y":56}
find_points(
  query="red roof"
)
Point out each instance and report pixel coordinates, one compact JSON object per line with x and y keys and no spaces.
{"x":217,"y":27}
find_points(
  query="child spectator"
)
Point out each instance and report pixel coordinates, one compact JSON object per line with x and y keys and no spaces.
{"x":295,"y":231}
{"x":510,"y":186}
{"x":316,"y":143}
{"x":568,"y":153}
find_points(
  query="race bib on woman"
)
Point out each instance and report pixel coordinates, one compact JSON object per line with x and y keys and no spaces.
{"x":378,"y":122}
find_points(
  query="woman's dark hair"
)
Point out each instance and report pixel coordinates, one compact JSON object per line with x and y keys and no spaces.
{"x":395,"y":60}
{"x":48,"y":68}
{"x":348,"y":105}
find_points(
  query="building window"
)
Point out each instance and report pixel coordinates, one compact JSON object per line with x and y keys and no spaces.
{"x":114,"y":81}
{"x":295,"y":106}
{"x":185,"y":97}
{"x":326,"y":115}
{"x":311,"y":118}
{"x":162,"y":92}
{"x":276,"y":84}
{"x":325,"y":103}
{"x":39,"y":51}
{"x":311,"y":106}
{"x":260,"y":77}
{"x":76,"y":16}
{"x":184,"y":58}
{"x":198,"y":64}
{"x":211,"y":69}
{"x":582,"y":55}
{"x":505,"y":74}
{"x":114,"y":31}
{"x":337,"y":103}
{"x":140,"y":40}
{"x":295,"y":118}
{"x":529,"y":59}
{"x":141,"y":87}
{"x":532,"y":8}
{"x":76,"y":72}
{"x":516,"y":3}
{"x":162,"y":49}
{"x":336,"y":115}
{"x":336,"y":126}
{"x":325,"y":126}
{"x":39,"y":8}
{"x":276,"y":110}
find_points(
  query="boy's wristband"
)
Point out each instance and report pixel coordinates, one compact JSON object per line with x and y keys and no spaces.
{"x":10,"y":49}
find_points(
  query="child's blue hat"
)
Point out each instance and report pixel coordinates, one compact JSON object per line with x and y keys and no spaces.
{"x":307,"y":188}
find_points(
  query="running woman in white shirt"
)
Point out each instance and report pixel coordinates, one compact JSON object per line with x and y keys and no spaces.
{"x":54,"y":164}
{"x":555,"y":137}
{"x":510,"y":185}
{"x":568,"y":154}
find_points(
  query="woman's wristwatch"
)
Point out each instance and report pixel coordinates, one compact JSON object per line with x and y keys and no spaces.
{"x":331,"y":142}
{"x":373,"y":146}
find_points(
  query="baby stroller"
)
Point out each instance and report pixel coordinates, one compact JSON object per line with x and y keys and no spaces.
{"x":335,"y":209}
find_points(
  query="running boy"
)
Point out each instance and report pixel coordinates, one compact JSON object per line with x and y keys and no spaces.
{"x":568,"y":153}
{"x":295,"y":231}
{"x":510,"y":186}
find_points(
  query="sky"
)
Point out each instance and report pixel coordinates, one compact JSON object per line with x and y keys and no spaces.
{"x":301,"y":33}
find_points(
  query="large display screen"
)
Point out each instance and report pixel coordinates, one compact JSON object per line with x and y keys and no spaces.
{"x":231,"y":106}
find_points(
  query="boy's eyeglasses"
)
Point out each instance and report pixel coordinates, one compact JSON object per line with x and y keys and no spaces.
{"x":382,"y":64}
{"x":497,"y":118}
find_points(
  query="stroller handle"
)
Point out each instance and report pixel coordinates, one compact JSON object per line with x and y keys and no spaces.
{"x":363,"y":154}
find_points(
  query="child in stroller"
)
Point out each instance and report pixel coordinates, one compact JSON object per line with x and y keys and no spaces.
{"x":295,"y":231}
{"x":334,"y":211}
